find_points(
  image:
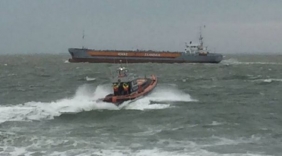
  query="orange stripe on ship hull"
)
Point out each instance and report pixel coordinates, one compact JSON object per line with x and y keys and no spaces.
{"x":134,"y":54}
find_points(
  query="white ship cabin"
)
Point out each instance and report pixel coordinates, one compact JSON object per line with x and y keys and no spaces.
{"x":193,"y":48}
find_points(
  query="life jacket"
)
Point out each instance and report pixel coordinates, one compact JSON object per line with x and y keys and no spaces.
{"x":115,"y":86}
{"x":125,"y":86}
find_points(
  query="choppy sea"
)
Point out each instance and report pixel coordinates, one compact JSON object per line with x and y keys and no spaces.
{"x":48,"y":107}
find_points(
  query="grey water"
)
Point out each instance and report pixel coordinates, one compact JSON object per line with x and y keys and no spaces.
{"x":49,"y":107}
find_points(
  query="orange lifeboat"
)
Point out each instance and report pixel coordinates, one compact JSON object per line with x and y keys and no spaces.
{"x":127,"y":88}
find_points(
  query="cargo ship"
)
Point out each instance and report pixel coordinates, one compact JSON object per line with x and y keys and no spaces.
{"x":193,"y":53}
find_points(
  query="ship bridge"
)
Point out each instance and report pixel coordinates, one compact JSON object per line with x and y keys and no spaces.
{"x":191,"y":47}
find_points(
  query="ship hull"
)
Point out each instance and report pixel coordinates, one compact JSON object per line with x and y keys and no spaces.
{"x":94,"y":56}
{"x":111,"y":60}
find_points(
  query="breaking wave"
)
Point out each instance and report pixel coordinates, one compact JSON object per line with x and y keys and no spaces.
{"x":236,"y":62}
{"x":272,"y":80}
{"x":47,"y":146}
{"x":85,"y":99}
{"x":268,"y":80}
{"x":90,"y":78}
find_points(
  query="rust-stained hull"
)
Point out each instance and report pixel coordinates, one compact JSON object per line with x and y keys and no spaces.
{"x":110,"y":60}
{"x":142,"y":54}
{"x":114,"y":56}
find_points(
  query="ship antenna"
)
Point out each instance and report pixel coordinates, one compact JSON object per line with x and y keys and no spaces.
{"x":110,"y":73}
{"x":83,"y":39}
{"x":126,"y":63}
{"x":201,"y":37}
{"x":120,"y":61}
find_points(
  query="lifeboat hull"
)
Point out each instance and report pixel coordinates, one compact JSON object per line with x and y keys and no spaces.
{"x":146,"y":85}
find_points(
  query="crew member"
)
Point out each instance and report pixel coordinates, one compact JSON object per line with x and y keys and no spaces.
{"x":116,"y":87}
{"x":125,"y":88}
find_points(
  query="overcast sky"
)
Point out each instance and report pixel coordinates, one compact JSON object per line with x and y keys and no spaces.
{"x":53,"y":26}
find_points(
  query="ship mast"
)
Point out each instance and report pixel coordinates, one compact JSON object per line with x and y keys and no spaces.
{"x":83,"y":39}
{"x":122,"y":70}
{"x":201,"y":39}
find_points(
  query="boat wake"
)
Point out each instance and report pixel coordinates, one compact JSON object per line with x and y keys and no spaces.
{"x":85,"y":99}
{"x":160,"y":98}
